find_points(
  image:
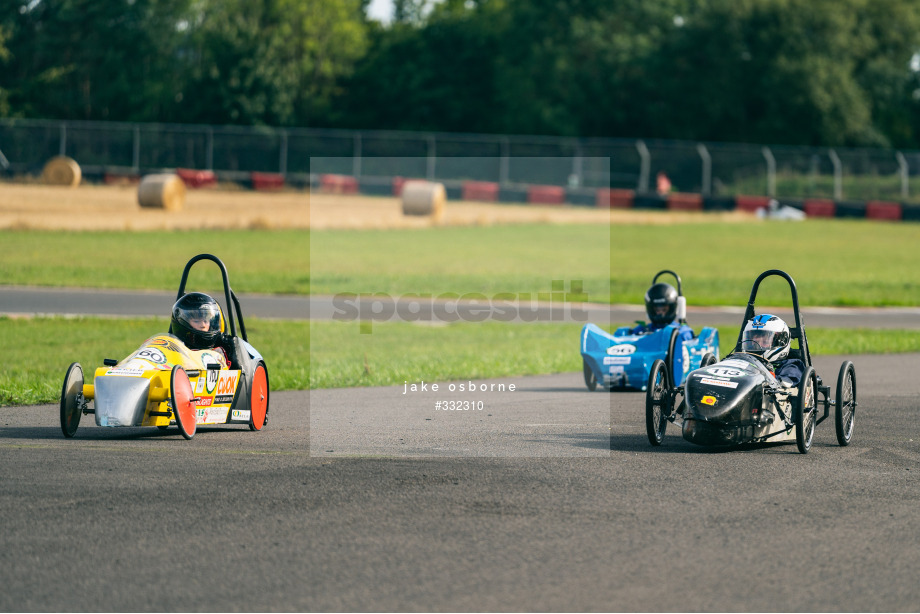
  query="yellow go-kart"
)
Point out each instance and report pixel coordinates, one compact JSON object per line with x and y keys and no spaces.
{"x":165,"y":382}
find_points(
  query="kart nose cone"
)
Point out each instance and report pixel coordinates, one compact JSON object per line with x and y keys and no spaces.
{"x":120,"y":400}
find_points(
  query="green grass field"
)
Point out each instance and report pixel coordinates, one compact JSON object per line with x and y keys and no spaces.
{"x":303,"y":355}
{"x":834,"y":262}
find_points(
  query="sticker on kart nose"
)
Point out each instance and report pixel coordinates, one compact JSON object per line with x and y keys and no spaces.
{"x":152,"y":355}
{"x":212,"y":380}
{"x":623,"y":349}
{"x":708,"y":400}
{"x":723,"y":372}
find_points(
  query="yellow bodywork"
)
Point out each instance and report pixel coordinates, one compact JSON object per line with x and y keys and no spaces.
{"x":154,"y":360}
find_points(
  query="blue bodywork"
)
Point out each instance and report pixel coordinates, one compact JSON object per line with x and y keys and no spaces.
{"x":623,"y":360}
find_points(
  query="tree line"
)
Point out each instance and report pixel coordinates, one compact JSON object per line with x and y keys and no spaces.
{"x":799,"y":72}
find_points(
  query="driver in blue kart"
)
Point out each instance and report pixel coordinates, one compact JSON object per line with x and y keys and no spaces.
{"x":768,"y":336}
{"x":661,"y":307}
{"x":198,"y":322}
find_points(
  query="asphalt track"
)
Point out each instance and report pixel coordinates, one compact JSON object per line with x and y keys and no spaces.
{"x":548,"y":499}
{"x":20,"y":300}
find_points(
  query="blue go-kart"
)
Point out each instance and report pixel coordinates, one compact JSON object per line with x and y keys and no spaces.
{"x":623,"y":360}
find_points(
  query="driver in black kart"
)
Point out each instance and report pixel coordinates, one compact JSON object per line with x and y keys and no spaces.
{"x":661,"y":307}
{"x":768,"y":336}
{"x":198,"y":322}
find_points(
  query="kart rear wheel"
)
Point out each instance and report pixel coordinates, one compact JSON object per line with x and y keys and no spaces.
{"x":708,"y":359}
{"x":657,"y":402}
{"x":590,"y":380}
{"x":183,"y":401}
{"x":72,"y":400}
{"x":846,"y":403}
{"x":258,"y":398}
{"x":806,"y":413}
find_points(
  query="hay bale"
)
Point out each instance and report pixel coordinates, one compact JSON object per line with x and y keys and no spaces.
{"x":424,"y":198}
{"x":162,"y":191}
{"x":61,"y":170}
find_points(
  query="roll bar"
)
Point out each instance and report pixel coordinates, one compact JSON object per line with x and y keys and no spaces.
{"x":797,"y":331}
{"x":229,"y":296}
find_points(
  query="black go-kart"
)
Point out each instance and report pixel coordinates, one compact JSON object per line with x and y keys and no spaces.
{"x":739,"y":399}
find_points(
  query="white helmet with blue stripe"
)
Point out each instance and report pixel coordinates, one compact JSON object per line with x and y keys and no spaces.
{"x":766,"y":335}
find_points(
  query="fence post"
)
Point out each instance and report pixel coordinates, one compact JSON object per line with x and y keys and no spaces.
{"x":209,"y":153}
{"x":905,"y":175}
{"x":432,"y":158}
{"x":356,"y":157}
{"x":645,"y":166}
{"x":576,"y":180}
{"x":838,"y":175}
{"x":136,"y":159}
{"x":707,"y":168}
{"x":771,"y":171}
{"x":283,"y":154}
{"x":63,"y":149}
{"x":503,"y":170}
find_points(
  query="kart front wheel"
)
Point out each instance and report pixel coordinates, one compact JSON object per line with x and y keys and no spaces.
{"x":72,"y":400}
{"x":708,"y":359}
{"x":657,"y":402}
{"x":806,"y":413}
{"x":846,"y":403}
{"x":183,"y":401}
{"x":670,"y":358}
{"x":590,"y":380}
{"x":258,"y":398}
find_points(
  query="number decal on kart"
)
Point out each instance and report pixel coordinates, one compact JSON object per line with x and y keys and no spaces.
{"x":152,"y":355}
{"x":722,"y":372}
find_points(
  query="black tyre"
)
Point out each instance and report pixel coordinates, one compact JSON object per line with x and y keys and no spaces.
{"x":72,"y":400}
{"x":846,"y":403}
{"x":708,"y":359}
{"x":590,"y":380}
{"x":669,"y":359}
{"x":657,"y":402}
{"x":806,"y":413}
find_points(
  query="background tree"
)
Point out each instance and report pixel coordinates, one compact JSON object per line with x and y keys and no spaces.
{"x":277,"y":62}
{"x":4,"y":58}
{"x":92,"y":59}
{"x":809,"y":72}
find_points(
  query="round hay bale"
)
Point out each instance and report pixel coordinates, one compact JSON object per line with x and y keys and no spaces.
{"x":61,"y":170}
{"x":163,"y":191}
{"x":424,"y":198}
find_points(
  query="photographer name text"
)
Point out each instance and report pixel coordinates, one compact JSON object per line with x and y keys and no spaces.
{"x":468,"y":386}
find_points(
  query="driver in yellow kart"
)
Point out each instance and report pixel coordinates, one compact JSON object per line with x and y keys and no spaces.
{"x":198,"y":322}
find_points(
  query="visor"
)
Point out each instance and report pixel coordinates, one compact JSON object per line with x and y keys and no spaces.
{"x":757,"y":340}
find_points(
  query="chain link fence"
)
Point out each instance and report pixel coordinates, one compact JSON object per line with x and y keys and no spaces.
{"x":300,"y":155}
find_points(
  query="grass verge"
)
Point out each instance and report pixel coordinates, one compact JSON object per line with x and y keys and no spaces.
{"x":306,"y":355}
{"x":834,"y":262}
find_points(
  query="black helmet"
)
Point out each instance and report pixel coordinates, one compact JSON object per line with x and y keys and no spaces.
{"x":197,"y":321}
{"x":661,"y":303}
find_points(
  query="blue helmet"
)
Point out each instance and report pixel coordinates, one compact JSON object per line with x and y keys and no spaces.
{"x":766,"y":335}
